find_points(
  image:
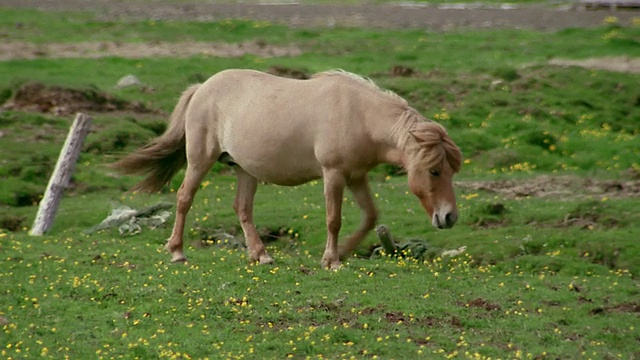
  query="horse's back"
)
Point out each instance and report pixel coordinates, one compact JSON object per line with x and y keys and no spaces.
{"x":284,"y":130}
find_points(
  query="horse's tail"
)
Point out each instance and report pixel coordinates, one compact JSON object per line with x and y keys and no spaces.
{"x":161,"y":158}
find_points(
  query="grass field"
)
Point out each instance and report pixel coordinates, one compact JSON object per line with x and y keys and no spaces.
{"x":548,"y":273}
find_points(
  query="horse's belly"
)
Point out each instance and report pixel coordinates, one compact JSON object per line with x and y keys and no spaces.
{"x":283,"y":173}
{"x":278,"y":147}
{"x":282,"y":164}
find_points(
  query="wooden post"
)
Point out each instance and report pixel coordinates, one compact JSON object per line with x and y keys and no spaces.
{"x":61,"y":175}
{"x":387,"y":241}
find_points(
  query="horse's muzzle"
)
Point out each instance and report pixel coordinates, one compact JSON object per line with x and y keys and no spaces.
{"x":444,"y":220}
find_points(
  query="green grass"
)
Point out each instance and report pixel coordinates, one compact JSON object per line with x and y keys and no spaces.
{"x":520,"y":290}
{"x":548,"y":277}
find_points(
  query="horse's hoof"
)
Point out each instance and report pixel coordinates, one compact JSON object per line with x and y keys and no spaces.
{"x":262,"y":259}
{"x":178,"y":256}
{"x":266,"y":259}
{"x":331,"y":264}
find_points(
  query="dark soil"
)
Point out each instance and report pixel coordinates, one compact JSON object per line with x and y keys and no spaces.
{"x":289,"y":72}
{"x":481,"y":304}
{"x":64,"y":101}
{"x":556,"y":186}
{"x":443,"y":18}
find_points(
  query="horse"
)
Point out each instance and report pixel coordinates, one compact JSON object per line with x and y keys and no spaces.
{"x":335,"y":125}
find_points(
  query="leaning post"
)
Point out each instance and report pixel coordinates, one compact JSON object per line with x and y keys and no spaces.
{"x":61,"y":174}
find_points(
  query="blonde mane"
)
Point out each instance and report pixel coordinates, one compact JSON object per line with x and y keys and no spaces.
{"x":365,"y":81}
{"x":434,"y":145}
{"x":439,"y":147}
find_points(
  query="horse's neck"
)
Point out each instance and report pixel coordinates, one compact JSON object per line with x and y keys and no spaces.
{"x":400,"y":143}
{"x":400,"y":134}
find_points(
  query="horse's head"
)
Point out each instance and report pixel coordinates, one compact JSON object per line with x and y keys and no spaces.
{"x":431,"y":167}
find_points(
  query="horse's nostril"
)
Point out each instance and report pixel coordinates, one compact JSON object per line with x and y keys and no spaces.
{"x":450,"y":219}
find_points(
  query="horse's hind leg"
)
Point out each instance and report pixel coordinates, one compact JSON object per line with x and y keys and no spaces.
{"x":200,"y":158}
{"x":362,"y":194}
{"x":193,"y":176}
{"x":243,"y":206}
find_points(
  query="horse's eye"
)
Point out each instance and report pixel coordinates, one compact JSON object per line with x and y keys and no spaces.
{"x":434,"y":172}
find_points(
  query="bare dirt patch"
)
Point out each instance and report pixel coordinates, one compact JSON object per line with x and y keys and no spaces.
{"x":481,"y":304}
{"x":12,"y":223}
{"x":400,"y":15}
{"x":556,"y":186}
{"x":23,"y":50}
{"x":622,"y":64}
{"x":630,"y":307}
{"x":588,"y":215}
{"x":57,"y":100}
{"x":289,"y":72}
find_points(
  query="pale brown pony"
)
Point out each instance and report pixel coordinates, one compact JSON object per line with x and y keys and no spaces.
{"x":336,"y":126}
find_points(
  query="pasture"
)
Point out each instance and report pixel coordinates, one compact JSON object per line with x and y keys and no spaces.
{"x":548,"y":198}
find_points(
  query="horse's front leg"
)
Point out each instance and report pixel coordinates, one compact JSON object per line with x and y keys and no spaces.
{"x":243,"y":206}
{"x":362,"y":195}
{"x":334,"y":183}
